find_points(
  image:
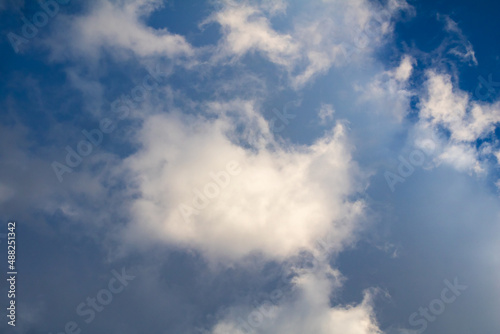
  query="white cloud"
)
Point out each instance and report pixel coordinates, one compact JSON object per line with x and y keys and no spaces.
{"x":462,"y":157}
{"x":405,"y":69}
{"x":117,"y":27}
{"x":337,"y":33}
{"x":388,"y":92}
{"x":247,"y":29}
{"x":284,"y":199}
{"x":447,"y":107}
{"x":308,"y":310}
{"x":464,"y":49}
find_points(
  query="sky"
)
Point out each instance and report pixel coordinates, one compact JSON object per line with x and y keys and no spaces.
{"x":250,"y":166}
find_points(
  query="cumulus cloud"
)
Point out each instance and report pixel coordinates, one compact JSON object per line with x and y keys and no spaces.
{"x":279,"y":200}
{"x":220,"y":182}
{"x":307,"y":310}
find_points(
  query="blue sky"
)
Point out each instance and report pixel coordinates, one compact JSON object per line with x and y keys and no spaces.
{"x":253,"y":166}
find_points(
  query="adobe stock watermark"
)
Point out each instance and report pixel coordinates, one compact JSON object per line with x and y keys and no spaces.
{"x":437,"y":306}
{"x":283,"y":118}
{"x":29,"y":30}
{"x":407,"y":166}
{"x":256,"y":317}
{"x":94,"y":138}
{"x":486,"y":89}
{"x":201,"y":199}
{"x":87,"y":309}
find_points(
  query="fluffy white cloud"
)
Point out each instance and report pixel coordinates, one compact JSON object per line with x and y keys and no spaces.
{"x":307,"y":310}
{"x":466,"y":119}
{"x":247,"y":29}
{"x":283,"y":198}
